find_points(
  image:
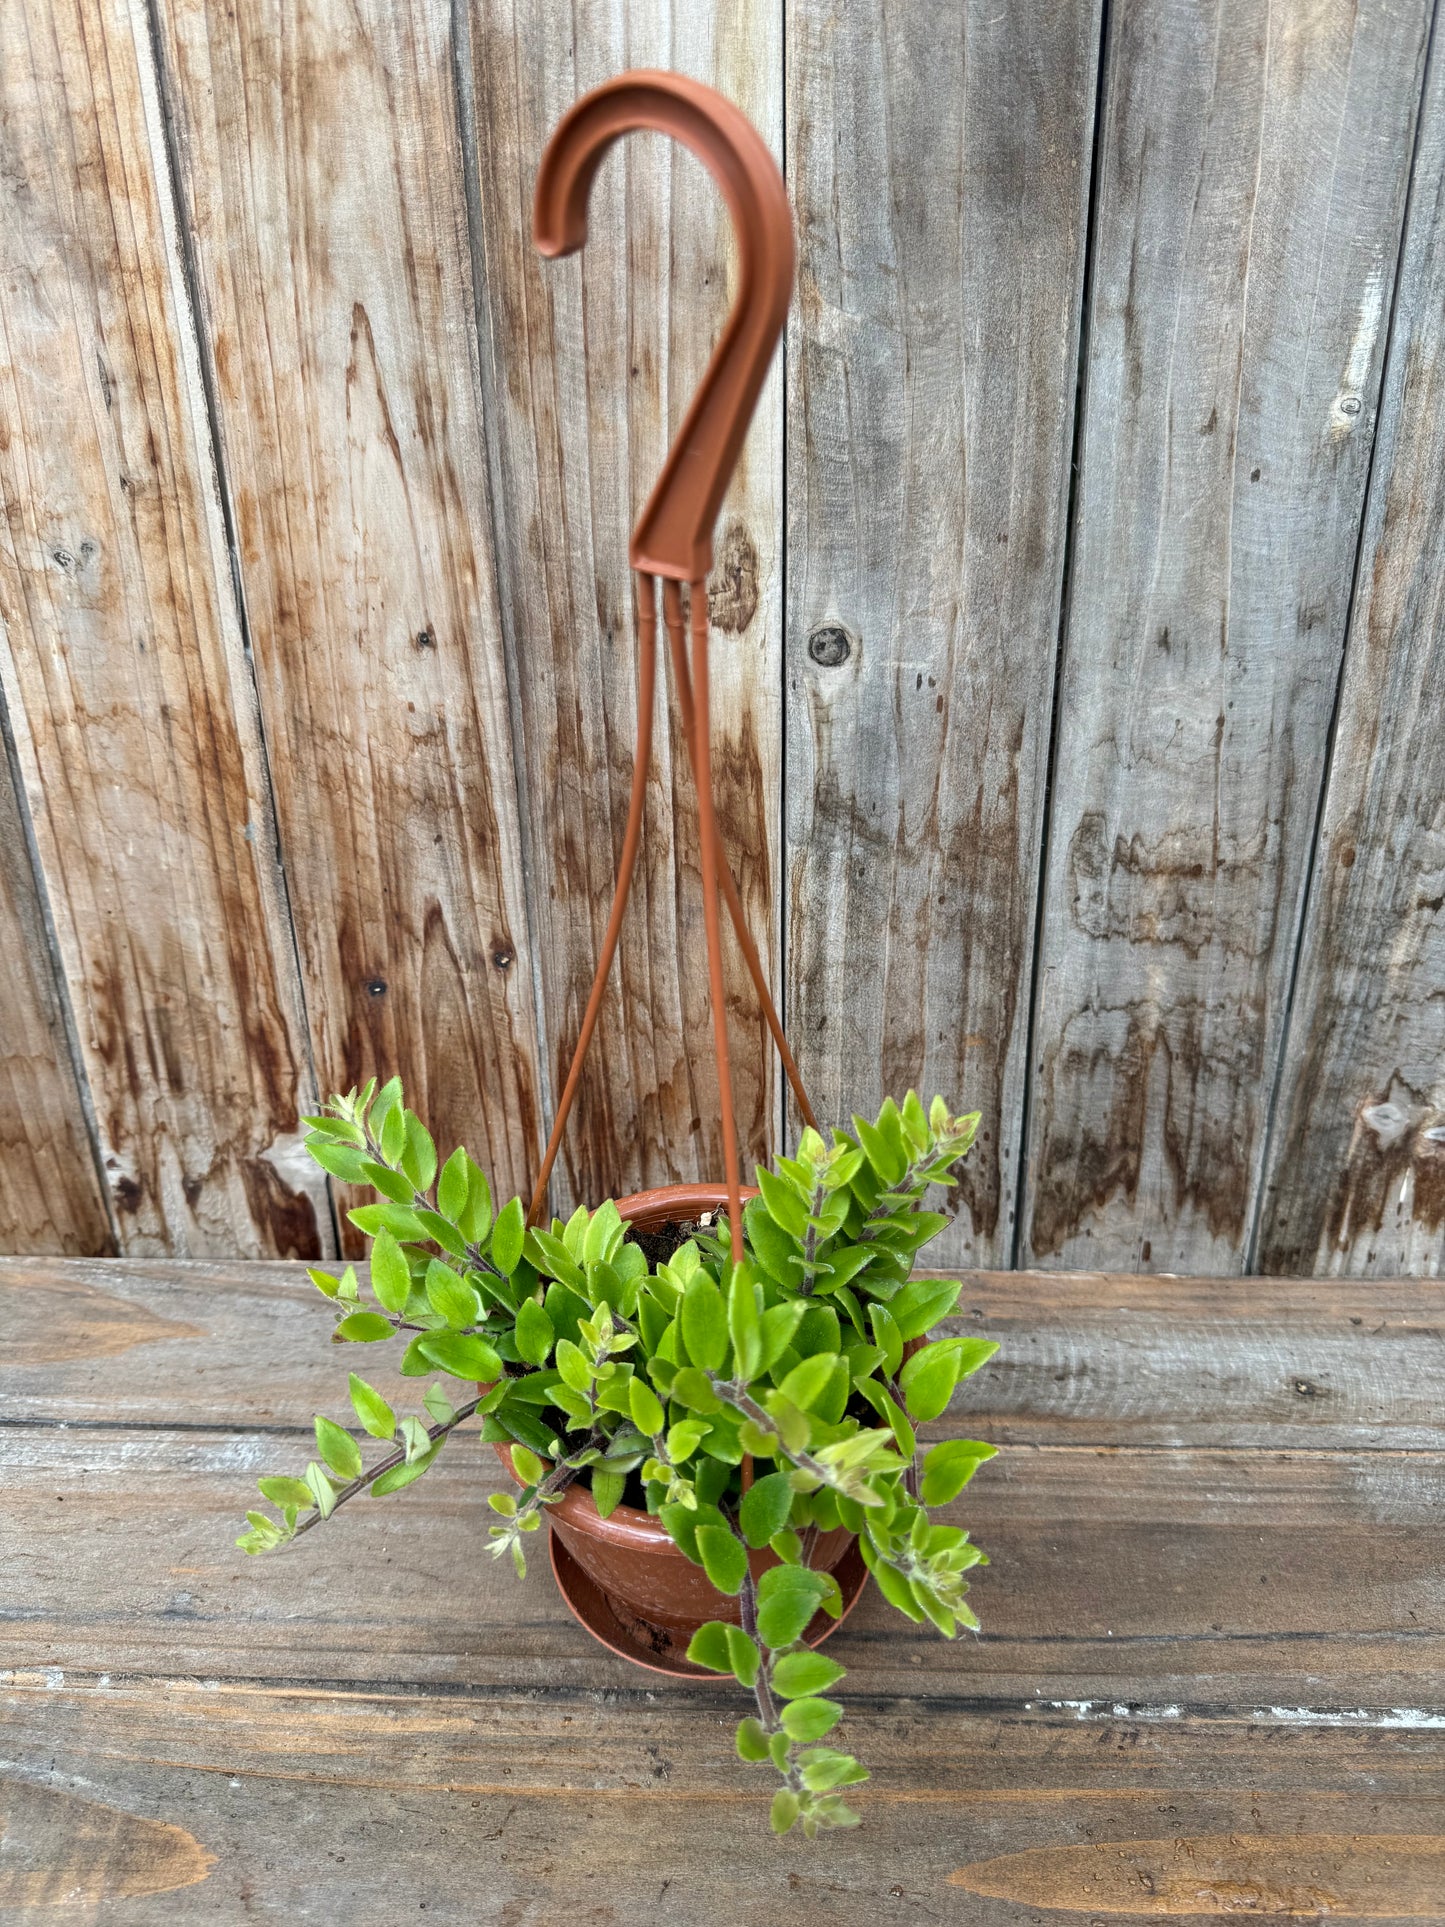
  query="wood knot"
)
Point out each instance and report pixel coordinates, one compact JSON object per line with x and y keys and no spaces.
{"x":830,"y":645}
{"x":376,"y":986}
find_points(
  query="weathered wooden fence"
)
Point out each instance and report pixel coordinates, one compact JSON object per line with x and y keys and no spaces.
{"x":1080,"y":694}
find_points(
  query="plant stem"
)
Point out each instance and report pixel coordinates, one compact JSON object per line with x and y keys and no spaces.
{"x":398,"y":1457}
{"x":810,"y":1245}
{"x":740,"y":1401}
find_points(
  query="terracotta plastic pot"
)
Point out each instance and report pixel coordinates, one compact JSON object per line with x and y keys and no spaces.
{"x":628,"y":1555}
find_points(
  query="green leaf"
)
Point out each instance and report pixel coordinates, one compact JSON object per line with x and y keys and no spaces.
{"x":403,"y":1475}
{"x":390,"y":1277}
{"x":690,"y":1388}
{"x":724,"y":1561}
{"x":391,"y":1184}
{"x":765,"y":1508}
{"x":372,"y":1409}
{"x":890,"y":1339}
{"x":323,"y":1492}
{"x":395,"y":1218}
{"x":451,"y":1297}
{"x":779,"y":1326}
{"x":607,"y":1490}
{"x":797,"y":1675}
{"x":704,"y":1323}
{"x":784,"y":1810}
{"x":463,"y":1356}
{"x":747,"y":1661}
{"x":743,"y":1323}
{"x":438,"y":1404}
{"x":752,"y":1742}
{"x":509,"y":1236}
{"x":784,"y":1205}
{"x":393,"y":1128}
{"x":948,"y":1468}
{"x":338,"y":1448}
{"x":476,"y":1219}
{"x":572,"y":1364}
{"x":684,"y":1437}
{"x":419,"y":1159}
{"x":647,"y":1413}
{"x":893,"y":1586}
{"x":534,"y":1332}
{"x":336,"y":1127}
{"x":928,"y":1378}
{"x":810,"y":1719}
{"x":414,"y":1361}
{"x":776,"y":1250}
{"x":283,"y":1491}
{"x":808,"y":1381}
{"x":452,"y":1186}
{"x":554,"y":1260}
{"x":324,"y":1283}
{"x":527,"y":1466}
{"x":709,"y":1647}
{"x":922,"y":1302}
{"x":788,"y":1597}
{"x":339,"y":1160}
{"x":364,"y":1328}
{"x":434,"y":1225}
{"x":602,"y":1235}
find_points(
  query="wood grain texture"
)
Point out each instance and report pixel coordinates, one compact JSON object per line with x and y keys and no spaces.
{"x":128,"y":690}
{"x":1085,"y":1360}
{"x":371,"y":1809}
{"x":1357,"y":1172}
{"x":50,"y":1194}
{"x":1254,"y":164}
{"x":940,"y":166}
{"x":322,"y":174}
{"x":1211,"y":1680}
{"x":1156,"y":1520}
{"x":592,"y":362}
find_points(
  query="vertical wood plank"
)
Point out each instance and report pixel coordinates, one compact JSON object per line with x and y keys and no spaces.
{"x":940,"y":162}
{"x":1253,"y":171}
{"x":322,"y":174}
{"x":50,"y":1195}
{"x":592,"y":363}
{"x":128,"y":689}
{"x":1357,"y":1167}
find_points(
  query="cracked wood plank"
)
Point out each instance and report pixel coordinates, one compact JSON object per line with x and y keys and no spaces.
{"x":940,"y":165}
{"x":322,"y":173}
{"x":1357,"y":1172}
{"x":128,"y":689}
{"x":50,"y":1195}
{"x":591,"y":363}
{"x":1254,"y":165}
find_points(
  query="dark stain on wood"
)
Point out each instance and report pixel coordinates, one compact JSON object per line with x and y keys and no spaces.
{"x":732,"y":587}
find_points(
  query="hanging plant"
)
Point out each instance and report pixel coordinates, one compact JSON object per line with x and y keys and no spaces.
{"x":753,"y":1409}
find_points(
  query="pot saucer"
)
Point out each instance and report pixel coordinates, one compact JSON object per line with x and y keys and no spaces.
{"x":655,"y":1647}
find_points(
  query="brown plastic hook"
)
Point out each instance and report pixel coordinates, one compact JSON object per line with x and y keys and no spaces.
{"x":673,"y":536}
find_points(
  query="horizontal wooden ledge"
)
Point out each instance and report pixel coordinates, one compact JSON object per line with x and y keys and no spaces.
{"x":1086,"y":1358}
